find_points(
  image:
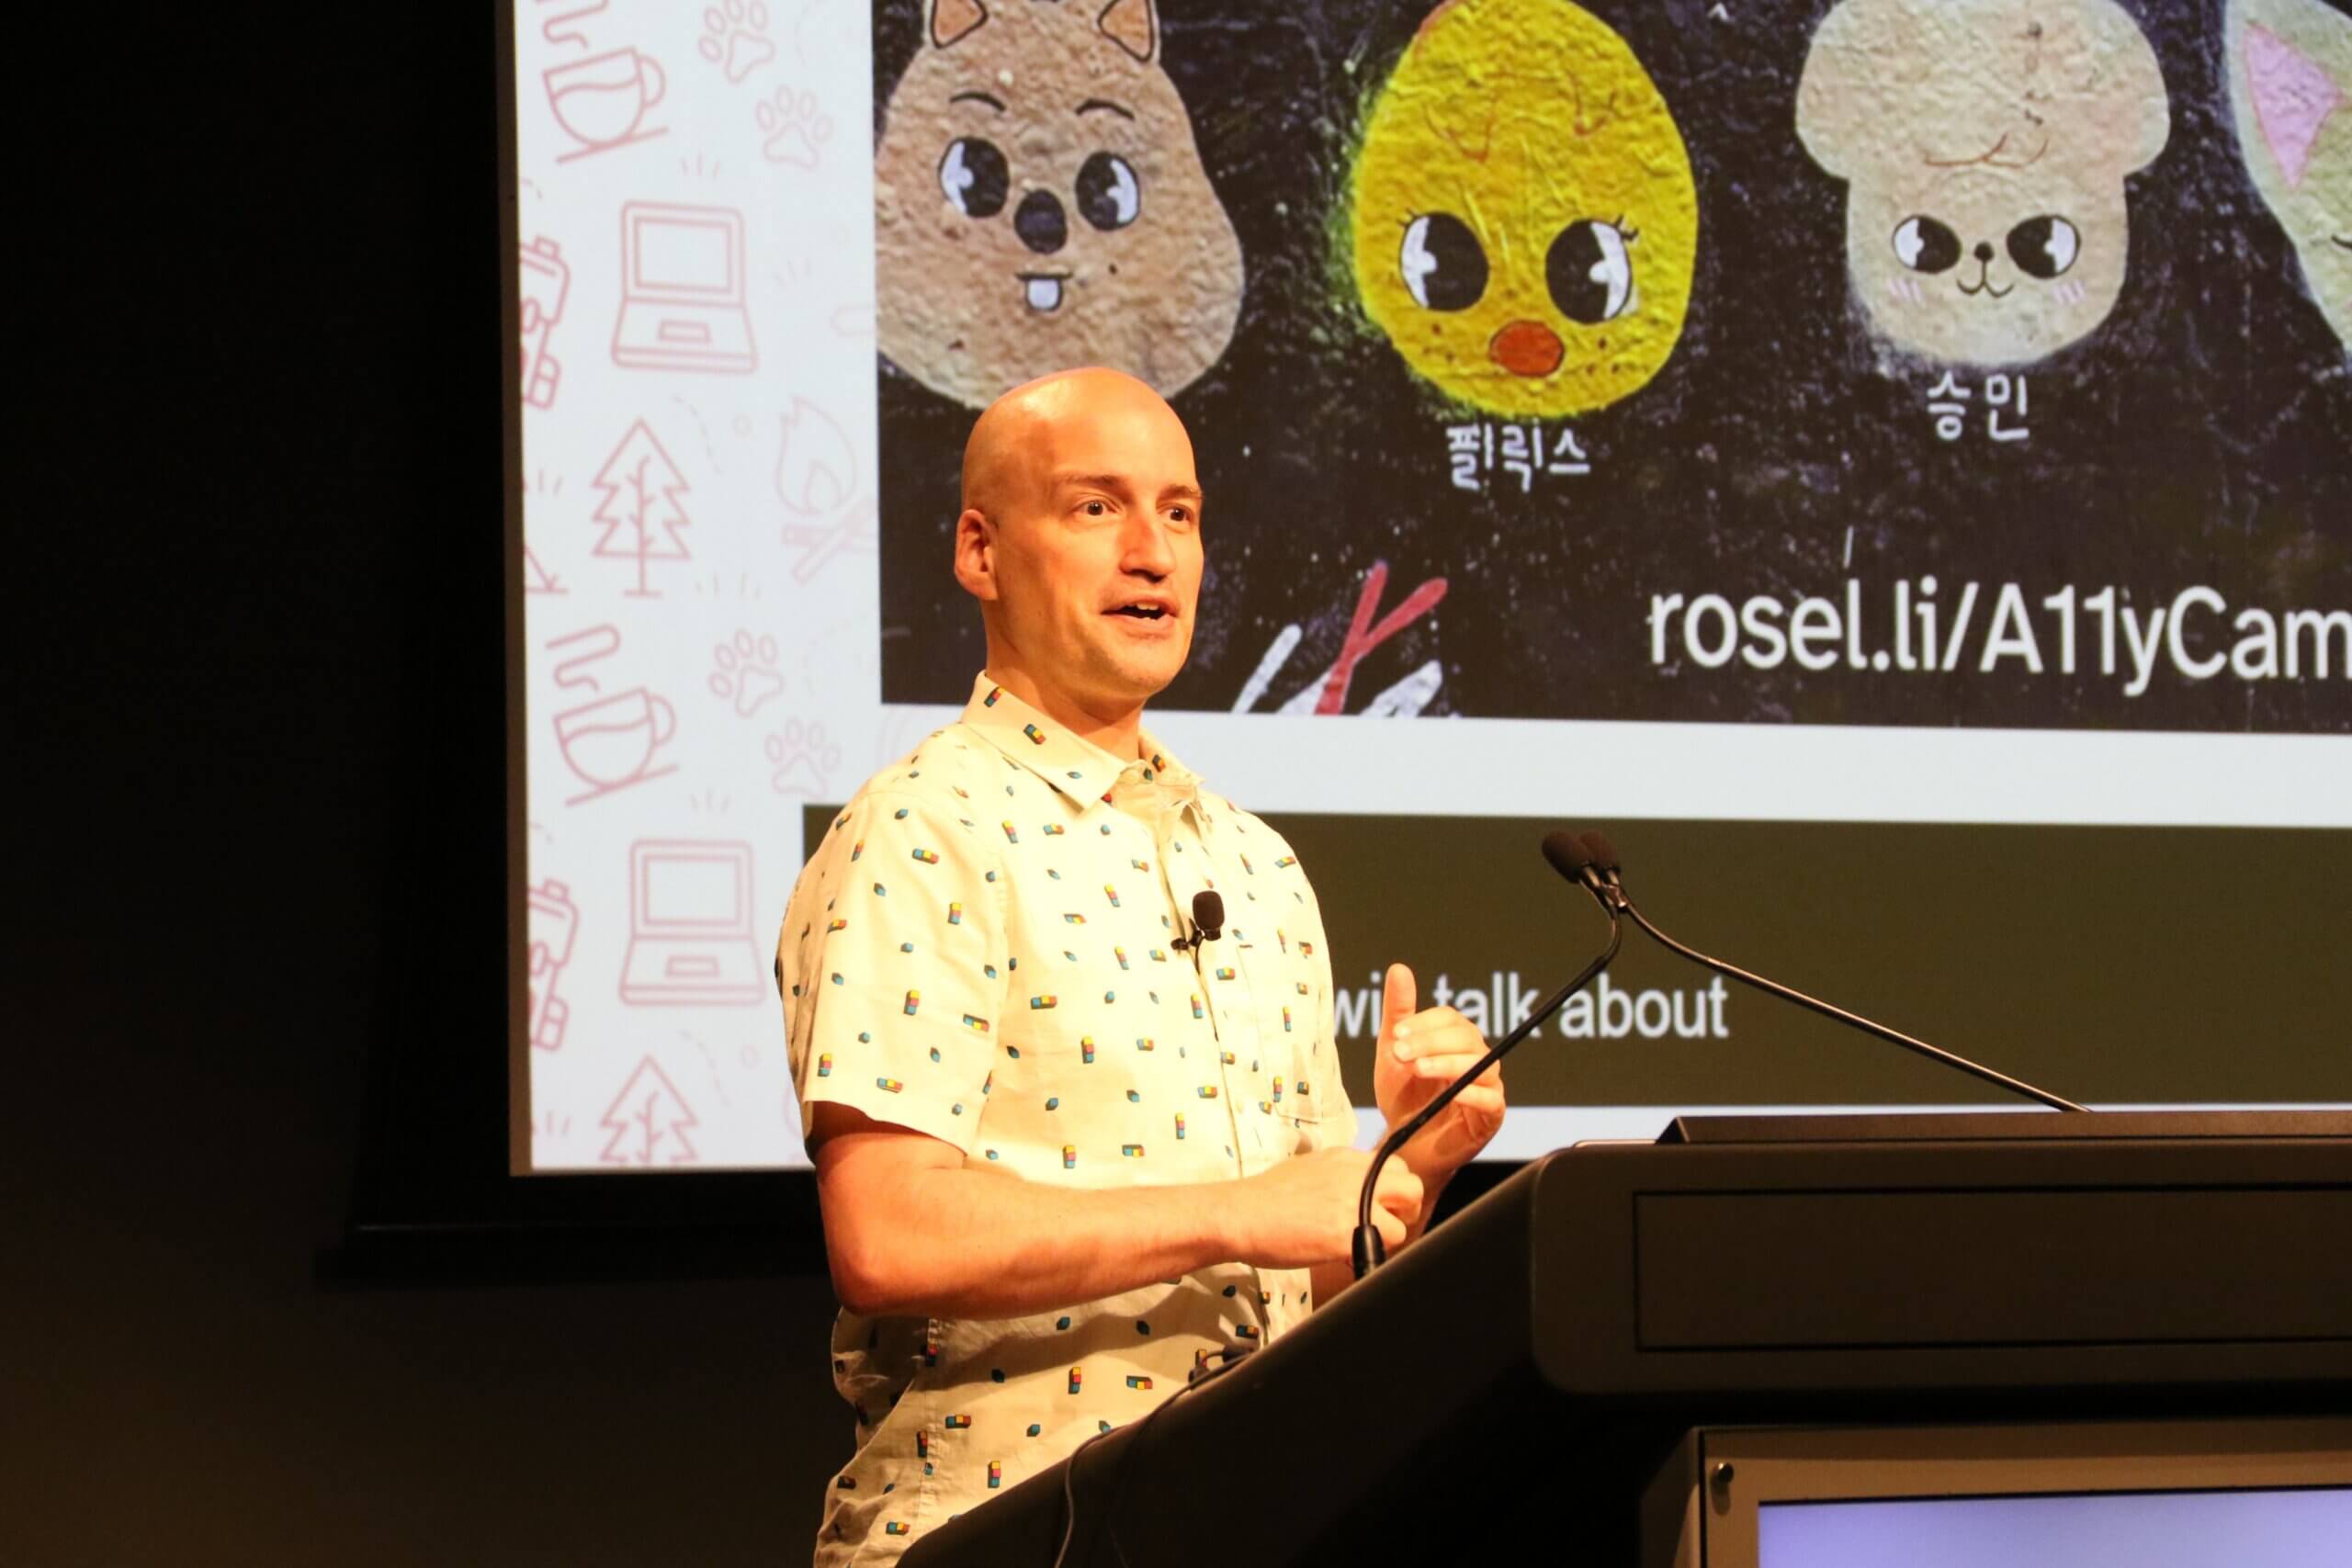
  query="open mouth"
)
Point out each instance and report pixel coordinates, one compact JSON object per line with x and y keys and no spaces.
{"x":1143,"y":610}
{"x":1042,"y":290}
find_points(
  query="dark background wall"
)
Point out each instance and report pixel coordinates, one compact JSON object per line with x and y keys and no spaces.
{"x":255,"y":381}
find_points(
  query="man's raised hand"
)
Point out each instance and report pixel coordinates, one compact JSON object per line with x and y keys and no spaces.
{"x":1420,"y":1054}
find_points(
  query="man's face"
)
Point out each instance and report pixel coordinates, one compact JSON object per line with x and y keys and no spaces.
{"x":1097,"y":550}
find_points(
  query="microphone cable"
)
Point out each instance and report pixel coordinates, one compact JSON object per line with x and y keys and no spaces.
{"x":1604,"y":859}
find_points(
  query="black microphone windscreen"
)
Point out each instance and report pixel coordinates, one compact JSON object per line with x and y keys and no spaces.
{"x":1566,"y":852}
{"x":1604,"y":853}
{"x":1208,"y":912}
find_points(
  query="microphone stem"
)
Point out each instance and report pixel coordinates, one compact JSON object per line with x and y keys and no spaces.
{"x":1369,"y":1249}
{"x":1892,"y":1036}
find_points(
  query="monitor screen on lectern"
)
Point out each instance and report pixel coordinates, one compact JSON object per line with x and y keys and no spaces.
{"x":1932,"y":570}
{"x":2255,"y":1493}
{"x":2251,"y":1528}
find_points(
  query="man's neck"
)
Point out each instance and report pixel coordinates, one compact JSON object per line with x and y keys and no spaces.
{"x":1121,"y":735}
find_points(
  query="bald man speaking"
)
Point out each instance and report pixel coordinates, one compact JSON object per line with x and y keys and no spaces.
{"x":1068,"y":1147}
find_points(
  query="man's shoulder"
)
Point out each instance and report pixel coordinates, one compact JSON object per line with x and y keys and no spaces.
{"x":1259,"y":840}
{"x":1243,"y":820}
{"x":939,"y":782}
{"x":932,"y":790}
{"x":945,"y":769}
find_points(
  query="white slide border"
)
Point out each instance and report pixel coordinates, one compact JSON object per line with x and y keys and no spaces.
{"x":1542,"y":768}
{"x":1758,"y":773}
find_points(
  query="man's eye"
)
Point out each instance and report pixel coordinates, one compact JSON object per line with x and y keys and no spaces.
{"x":1094,"y":509}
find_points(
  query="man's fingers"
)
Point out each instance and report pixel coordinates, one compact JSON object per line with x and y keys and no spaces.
{"x":1391,"y":1228}
{"x":1396,"y":998}
{"x":1479,"y":1097}
{"x":1399,"y":1187}
{"x":1481,"y":1104}
{"x":1439,"y":1028}
{"x":1453,"y":1064}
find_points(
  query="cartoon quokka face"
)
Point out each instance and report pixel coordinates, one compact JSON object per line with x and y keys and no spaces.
{"x":1985,"y":143}
{"x":1040,"y":203}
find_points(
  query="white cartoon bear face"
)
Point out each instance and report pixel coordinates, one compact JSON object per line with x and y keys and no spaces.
{"x":1985,"y":145}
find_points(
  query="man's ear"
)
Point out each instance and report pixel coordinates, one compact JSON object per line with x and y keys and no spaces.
{"x":975,"y":554}
{"x":1134,"y":26}
{"x":952,"y":19}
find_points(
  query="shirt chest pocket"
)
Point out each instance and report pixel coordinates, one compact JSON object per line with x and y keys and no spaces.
{"x":1289,"y":1015}
{"x":1079,"y":1080}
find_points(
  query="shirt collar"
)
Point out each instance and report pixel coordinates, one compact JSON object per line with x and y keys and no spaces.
{"x":1071,"y":764}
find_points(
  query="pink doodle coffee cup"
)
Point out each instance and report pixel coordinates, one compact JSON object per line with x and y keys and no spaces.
{"x":611,"y":741}
{"x":602,"y":100}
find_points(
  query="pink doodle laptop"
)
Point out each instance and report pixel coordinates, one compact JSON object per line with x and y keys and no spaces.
{"x":681,"y":290}
{"x":690,"y":926}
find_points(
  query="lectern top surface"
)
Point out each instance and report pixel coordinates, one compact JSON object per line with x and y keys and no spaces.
{"x":1949,"y":1126}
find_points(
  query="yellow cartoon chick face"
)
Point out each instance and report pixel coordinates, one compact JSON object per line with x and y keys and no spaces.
{"x":1524,"y":222}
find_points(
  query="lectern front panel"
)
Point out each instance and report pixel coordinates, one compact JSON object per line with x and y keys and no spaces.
{"x":1823,"y":1270}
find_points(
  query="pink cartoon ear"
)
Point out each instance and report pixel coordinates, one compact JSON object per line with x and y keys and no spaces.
{"x":2293,"y":96}
{"x":951,"y":20}
{"x":1134,"y":26}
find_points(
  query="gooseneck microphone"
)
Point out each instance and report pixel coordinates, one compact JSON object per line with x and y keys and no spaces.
{"x":1571,"y":860}
{"x":1603,"y":856}
{"x":1208,"y":921}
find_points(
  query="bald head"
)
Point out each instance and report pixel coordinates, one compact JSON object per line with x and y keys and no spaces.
{"x":1008,"y":455}
{"x":1080,"y":537}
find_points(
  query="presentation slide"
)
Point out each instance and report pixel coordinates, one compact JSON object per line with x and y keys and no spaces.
{"x":1890,"y":469}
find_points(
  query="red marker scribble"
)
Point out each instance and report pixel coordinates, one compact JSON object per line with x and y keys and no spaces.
{"x":1364,"y":636}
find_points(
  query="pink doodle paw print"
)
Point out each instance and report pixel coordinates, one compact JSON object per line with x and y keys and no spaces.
{"x":804,"y":759}
{"x":735,"y":38}
{"x":747,"y":672}
{"x":797,"y":131}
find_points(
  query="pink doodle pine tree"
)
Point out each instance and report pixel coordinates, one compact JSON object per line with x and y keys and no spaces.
{"x":649,"y":1120}
{"x":641,"y":510}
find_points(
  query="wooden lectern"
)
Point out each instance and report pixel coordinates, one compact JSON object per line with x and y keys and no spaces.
{"x":1510,"y":1386}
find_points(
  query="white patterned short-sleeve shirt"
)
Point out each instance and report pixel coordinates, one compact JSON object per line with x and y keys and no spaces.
{"x":983,"y":949}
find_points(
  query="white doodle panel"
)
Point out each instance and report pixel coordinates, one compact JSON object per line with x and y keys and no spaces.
{"x":694,"y":274}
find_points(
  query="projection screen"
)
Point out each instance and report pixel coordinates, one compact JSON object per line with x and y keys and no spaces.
{"x":1890,"y":472}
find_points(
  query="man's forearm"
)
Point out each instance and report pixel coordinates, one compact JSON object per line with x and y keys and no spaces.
{"x":971,"y":1243}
